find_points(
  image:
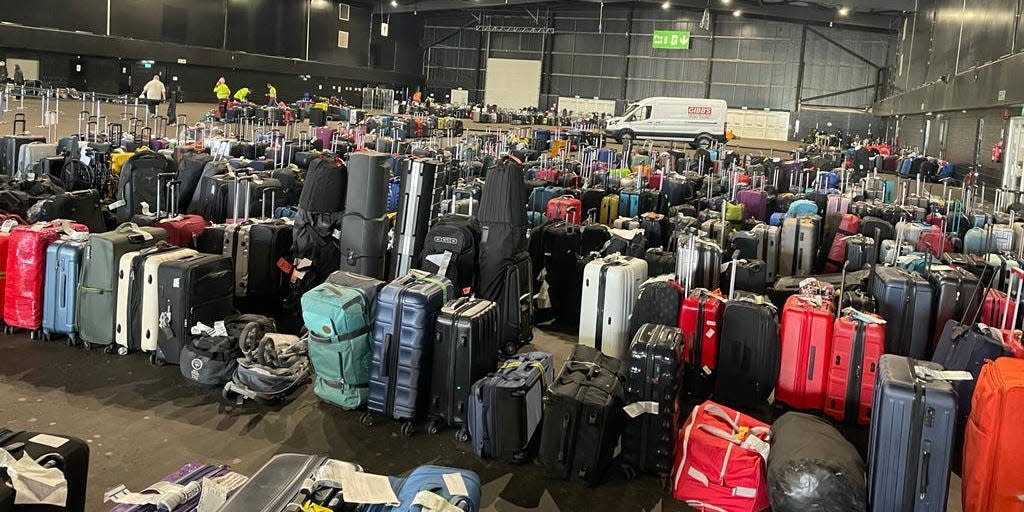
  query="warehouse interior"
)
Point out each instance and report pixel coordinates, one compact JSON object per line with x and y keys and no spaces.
{"x":923,"y":78}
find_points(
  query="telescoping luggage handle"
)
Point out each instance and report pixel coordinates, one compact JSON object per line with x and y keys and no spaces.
{"x":242,"y":177}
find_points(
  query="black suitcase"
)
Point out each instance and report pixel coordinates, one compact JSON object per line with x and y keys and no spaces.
{"x":363,"y":244}
{"x":512,"y":395}
{"x":82,"y":206}
{"x":415,"y":205}
{"x":748,"y":353}
{"x":878,"y":229}
{"x":751,"y":276}
{"x":956,"y":296}
{"x":653,"y":375}
{"x":69,"y":454}
{"x":514,"y":295}
{"x":260,"y":280}
{"x":196,"y":289}
{"x":465,"y":350}
{"x":191,"y":168}
{"x":138,"y":182}
{"x":583,"y":417}
{"x":657,"y":303}
{"x":403,"y":339}
{"x":910,"y":437}
{"x":905,"y":302}
{"x":453,"y":241}
{"x":325,"y":186}
{"x":10,"y":146}
{"x":859,"y":300}
{"x":660,"y":262}
{"x":861,"y":251}
{"x":786,"y":286}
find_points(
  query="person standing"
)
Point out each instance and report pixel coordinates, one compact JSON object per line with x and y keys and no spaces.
{"x":223,"y":93}
{"x":271,"y":95}
{"x":172,"y":106}
{"x":19,"y":75}
{"x":154,"y":93}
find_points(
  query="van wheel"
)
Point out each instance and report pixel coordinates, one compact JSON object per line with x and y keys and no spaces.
{"x":703,"y":142}
{"x":625,"y":137}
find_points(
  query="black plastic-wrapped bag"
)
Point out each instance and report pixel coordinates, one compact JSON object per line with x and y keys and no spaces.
{"x":811,"y":467}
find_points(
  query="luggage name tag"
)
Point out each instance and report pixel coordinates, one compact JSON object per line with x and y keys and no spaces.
{"x":201,"y":329}
{"x":433,"y":502}
{"x":637,"y":408}
{"x":947,"y":375}
{"x":116,"y":204}
{"x":456,"y":484}
{"x":8,"y":225}
{"x":754,"y":443}
{"x":284,"y":265}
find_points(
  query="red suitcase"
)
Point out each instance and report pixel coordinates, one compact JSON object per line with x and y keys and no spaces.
{"x":849,"y":224}
{"x":997,"y":310}
{"x":856,"y":346}
{"x":654,"y":181}
{"x":699,"y":318}
{"x":805,"y":339}
{"x":182,"y":230}
{"x":566,"y":208}
{"x":7,"y":223}
{"x":26,"y":269}
{"x":935,"y":241}
{"x":549,"y":174}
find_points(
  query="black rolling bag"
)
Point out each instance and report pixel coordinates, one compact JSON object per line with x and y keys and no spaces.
{"x":194,"y":289}
{"x":653,"y":375}
{"x":69,"y":454}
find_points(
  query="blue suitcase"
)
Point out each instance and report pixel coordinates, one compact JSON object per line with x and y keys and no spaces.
{"x":403,"y":335}
{"x":629,"y":203}
{"x":394,"y":194}
{"x":63,"y":263}
{"x":433,"y":479}
{"x":512,"y":396}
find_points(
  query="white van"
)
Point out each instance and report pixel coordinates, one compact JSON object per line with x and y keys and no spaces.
{"x":698,"y":121}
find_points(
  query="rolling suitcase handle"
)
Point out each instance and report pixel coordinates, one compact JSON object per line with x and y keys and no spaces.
{"x":162,"y":181}
{"x":732,"y":278}
{"x":239,"y":178}
{"x":263,"y":201}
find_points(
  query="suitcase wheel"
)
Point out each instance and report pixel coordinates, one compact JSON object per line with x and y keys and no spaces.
{"x":510,"y":347}
{"x":408,"y":429}
{"x":629,"y":472}
{"x":122,"y":350}
{"x":156,"y":360}
{"x":366,"y":420}
{"x":462,"y":435}
{"x":432,"y":428}
{"x":227,"y":393}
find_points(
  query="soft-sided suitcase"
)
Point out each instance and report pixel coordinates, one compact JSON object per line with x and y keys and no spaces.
{"x":403,"y":334}
{"x":720,"y":461}
{"x":991,"y":475}
{"x":188,"y":473}
{"x":805,"y":341}
{"x":653,"y":378}
{"x":512,"y":395}
{"x":98,"y":287}
{"x":82,"y":206}
{"x":69,"y":454}
{"x":63,"y":266}
{"x":138,"y":183}
{"x":26,"y":270}
{"x":138,"y":316}
{"x":465,"y":349}
{"x":414,"y":213}
{"x":257,"y":249}
{"x":610,"y":287}
{"x":748,"y":352}
{"x":910,"y":438}
{"x":439,"y":481}
{"x":905,"y":302}
{"x":798,"y":246}
{"x":283,"y":483}
{"x":858,"y":340}
{"x":199,"y":288}
{"x":583,"y":417}
{"x":339,"y":316}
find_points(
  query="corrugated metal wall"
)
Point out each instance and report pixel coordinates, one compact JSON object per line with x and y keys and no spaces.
{"x":962,"y":138}
{"x":751,"y":63}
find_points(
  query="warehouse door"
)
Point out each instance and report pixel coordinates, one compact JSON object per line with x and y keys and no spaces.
{"x":1013,"y":156}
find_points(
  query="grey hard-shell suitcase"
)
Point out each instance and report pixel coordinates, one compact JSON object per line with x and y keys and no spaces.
{"x":905,"y":302}
{"x":798,"y":247}
{"x":910,"y":440}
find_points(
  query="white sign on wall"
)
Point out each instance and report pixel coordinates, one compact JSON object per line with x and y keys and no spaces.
{"x":586,"y":105}
{"x":459,"y":97}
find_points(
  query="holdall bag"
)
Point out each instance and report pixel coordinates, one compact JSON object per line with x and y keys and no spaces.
{"x":991,"y":480}
{"x":652,"y":383}
{"x":583,"y":417}
{"x":338,"y":317}
{"x":812,"y":467}
{"x":720,"y":460}
{"x":513,"y":395}
{"x":913,"y":418}
{"x":26,"y":270}
{"x":209,"y":361}
{"x":434,"y":480}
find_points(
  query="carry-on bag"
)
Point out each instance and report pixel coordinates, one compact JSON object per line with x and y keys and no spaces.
{"x":403,"y":334}
{"x":913,"y":418}
{"x":68,"y":454}
{"x":465,"y":349}
{"x":63,"y":271}
{"x":196,"y":289}
{"x":583,"y":417}
{"x":653,"y":371}
{"x":610,"y":287}
{"x":720,"y":460}
{"x":512,"y":395}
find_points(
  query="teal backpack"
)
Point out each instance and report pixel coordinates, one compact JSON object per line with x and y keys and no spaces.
{"x":340,"y":346}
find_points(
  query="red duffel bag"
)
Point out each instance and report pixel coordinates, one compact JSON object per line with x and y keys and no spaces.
{"x":720,"y":461}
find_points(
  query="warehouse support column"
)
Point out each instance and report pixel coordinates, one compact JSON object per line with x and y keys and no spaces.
{"x":629,"y":48}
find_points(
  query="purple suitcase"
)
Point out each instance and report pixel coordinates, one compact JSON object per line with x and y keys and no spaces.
{"x":188,"y":473}
{"x":755,"y":204}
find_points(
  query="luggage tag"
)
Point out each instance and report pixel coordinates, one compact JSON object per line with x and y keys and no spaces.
{"x":862,"y":316}
{"x":637,"y":408}
{"x":201,"y":329}
{"x":754,"y":443}
{"x":8,"y":225}
{"x":948,"y":375}
{"x":433,"y":502}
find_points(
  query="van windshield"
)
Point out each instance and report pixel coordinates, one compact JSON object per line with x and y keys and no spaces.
{"x":629,"y":110}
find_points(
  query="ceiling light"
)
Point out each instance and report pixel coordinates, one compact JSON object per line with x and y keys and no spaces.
{"x":666,"y":5}
{"x":394,"y":3}
{"x":843,"y":11}
{"x":737,"y":13}
{"x":726,"y":2}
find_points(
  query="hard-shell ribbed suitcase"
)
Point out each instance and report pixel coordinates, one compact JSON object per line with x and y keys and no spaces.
{"x":69,"y":454}
{"x":465,"y":349}
{"x":199,"y":288}
{"x":910,"y":438}
{"x":609,"y":209}
{"x":956,"y":296}
{"x":805,"y":341}
{"x":653,"y":378}
{"x":748,"y":352}
{"x":142,"y":314}
{"x":403,"y":334}
{"x":583,"y":417}
{"x":991,"y":475}
{"x":798,"y":246}
{"x":857,"y":343}
{"x":610,"y":286}
{"x":283,"y":484}
{"x":905,"y":302}
{"x":188,"y":472}
{"x":700,"y":323}
{"x":755,"y":204}
{"x":699,"y":258}
{"x":512,"y":395}
{"x":63,"y":270}
{"x":26,"y":270}
{"x":98,"y":288}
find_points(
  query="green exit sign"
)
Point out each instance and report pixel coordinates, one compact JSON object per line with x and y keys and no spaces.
{"x":672,"y":39}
